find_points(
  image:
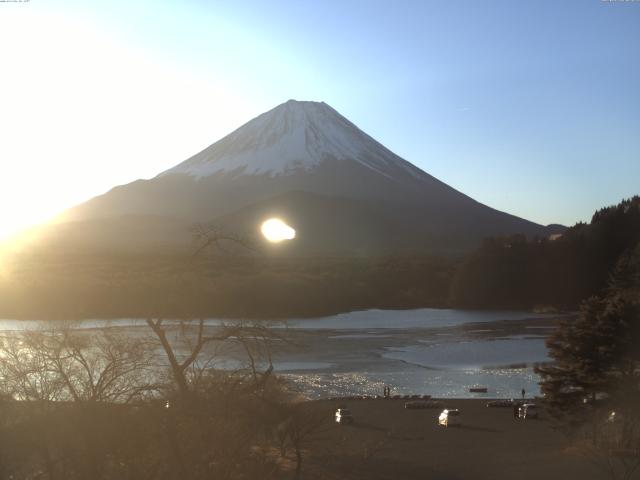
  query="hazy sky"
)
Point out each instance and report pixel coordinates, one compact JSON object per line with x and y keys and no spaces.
{"x":530,"y":107}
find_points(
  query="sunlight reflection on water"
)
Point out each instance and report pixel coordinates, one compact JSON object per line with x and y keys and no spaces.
{"x":501,"y":383}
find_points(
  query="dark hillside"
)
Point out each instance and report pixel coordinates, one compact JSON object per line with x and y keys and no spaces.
{"x":514,"y":271}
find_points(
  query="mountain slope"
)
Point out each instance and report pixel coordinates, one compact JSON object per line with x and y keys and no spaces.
{"x":305,"y":161}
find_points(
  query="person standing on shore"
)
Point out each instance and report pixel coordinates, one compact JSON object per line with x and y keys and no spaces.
{"x":523,"y":392}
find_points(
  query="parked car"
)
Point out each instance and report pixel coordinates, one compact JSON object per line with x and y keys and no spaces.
{"x":450,"y":417}
{"x":528,"y":411}
{"x":343,"y":415}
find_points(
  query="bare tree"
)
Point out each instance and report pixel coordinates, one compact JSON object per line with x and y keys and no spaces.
{"x":69,"y":391}
{"x":65,"y":364}
{"x":195,"y":342}
{"x":300,"y":428}
{"x":197,"y":348}
{"x":211,"y":236}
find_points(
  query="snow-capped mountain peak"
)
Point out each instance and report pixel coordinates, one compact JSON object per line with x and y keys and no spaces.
{"x":343,"y":192}
{"x":294,"y":136}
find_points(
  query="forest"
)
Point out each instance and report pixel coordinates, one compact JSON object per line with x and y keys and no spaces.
{"x":503,"y":272}
{"x":524,"y":273}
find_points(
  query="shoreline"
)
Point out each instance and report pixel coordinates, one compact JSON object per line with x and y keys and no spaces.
{"x":535,"y":313}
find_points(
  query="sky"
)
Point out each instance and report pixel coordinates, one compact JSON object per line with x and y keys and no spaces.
{"x":531,"y":107}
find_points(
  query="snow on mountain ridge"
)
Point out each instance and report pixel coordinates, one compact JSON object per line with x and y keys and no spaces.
{"x":293,"y":136}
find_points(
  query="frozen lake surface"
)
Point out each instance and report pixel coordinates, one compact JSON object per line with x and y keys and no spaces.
{"x":426,"y":351}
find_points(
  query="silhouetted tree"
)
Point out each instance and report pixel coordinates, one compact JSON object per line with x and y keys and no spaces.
{"x":301,"y":426}
{"x":593,"y":385}
{"x":514,"y":271}
{"x":60,"y":389}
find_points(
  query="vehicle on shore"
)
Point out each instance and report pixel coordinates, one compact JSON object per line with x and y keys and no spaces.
{"x":528,"y":411}
{"x":450,"y":418}
{"x":343,"y":416}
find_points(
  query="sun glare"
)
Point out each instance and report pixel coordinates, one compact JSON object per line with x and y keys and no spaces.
{"x":275,"y":230}
{"x":64,"y":136}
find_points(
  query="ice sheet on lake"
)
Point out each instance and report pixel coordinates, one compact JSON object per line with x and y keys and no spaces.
{"x":472,"y":354}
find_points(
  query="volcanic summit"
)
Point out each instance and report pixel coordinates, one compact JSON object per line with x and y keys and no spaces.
{"x":344,"y":192}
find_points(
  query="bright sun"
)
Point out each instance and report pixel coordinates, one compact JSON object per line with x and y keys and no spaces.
{"x":275,"y":230}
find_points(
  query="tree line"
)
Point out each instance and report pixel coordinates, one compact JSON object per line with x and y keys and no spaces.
{"x":504,"y":272}
{"x":517,"y":272}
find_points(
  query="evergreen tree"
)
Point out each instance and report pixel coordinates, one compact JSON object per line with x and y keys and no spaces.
{"x":517,"y":272}
{"x":593,"y":386}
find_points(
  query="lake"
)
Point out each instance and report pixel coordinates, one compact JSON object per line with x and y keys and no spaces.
{"x":426,"y":351}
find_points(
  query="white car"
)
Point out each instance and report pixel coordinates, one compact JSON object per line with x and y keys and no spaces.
{"x":450,"y":417}
{"x":343,"y":415}
{"x":528,"y":410}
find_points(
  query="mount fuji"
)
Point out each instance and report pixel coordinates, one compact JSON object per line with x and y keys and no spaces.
{"x":341,"y":190}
